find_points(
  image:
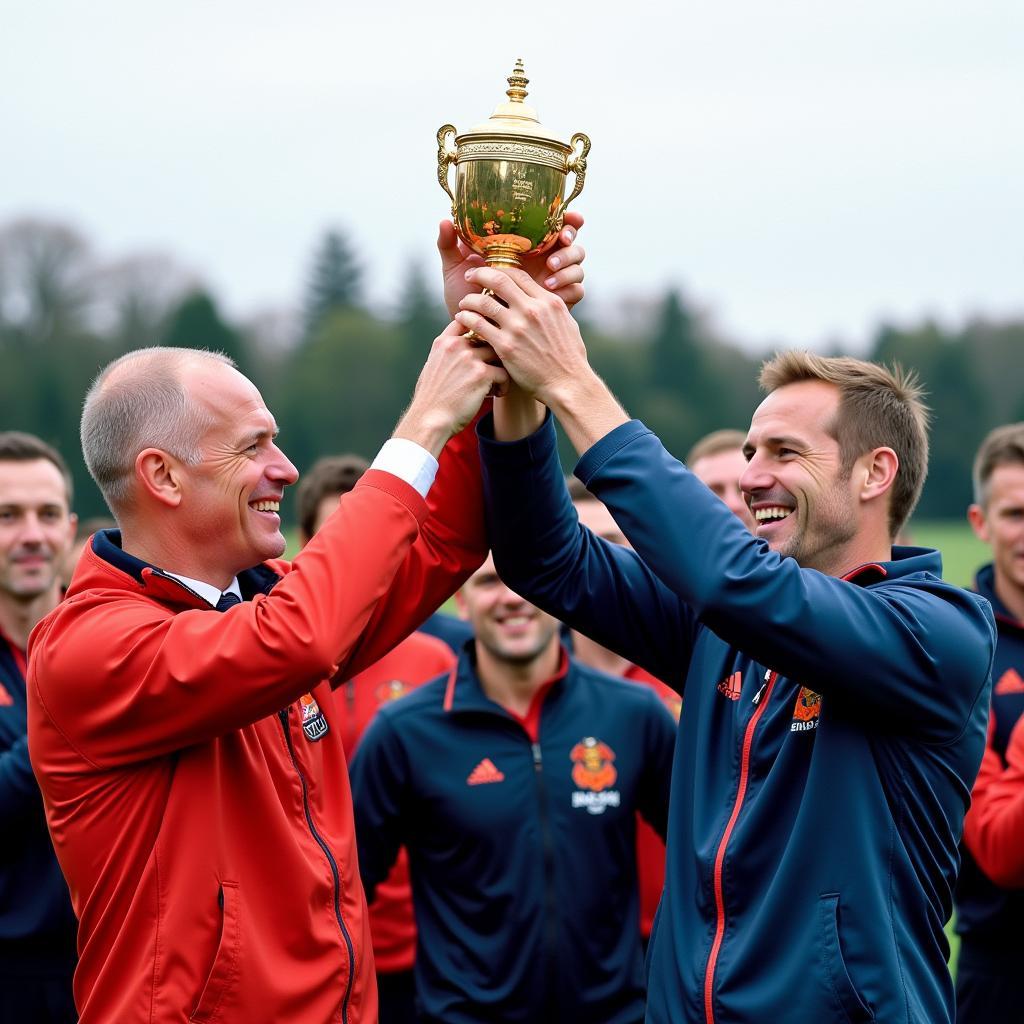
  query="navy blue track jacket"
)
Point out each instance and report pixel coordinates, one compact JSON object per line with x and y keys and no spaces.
{"x":830,"y":735}
{"x":988,"y":915}
{"x":36,"y":919}
{"x":522,"y":850}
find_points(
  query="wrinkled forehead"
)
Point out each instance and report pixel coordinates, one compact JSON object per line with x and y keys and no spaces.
{"x":31,"y":483}
{"x":804,"y":410}
{"x":227,"y":396}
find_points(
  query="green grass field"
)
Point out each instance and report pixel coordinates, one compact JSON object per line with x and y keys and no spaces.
{"x":962,"y":552}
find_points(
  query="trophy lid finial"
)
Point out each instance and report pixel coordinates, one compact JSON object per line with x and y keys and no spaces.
{"x":514,"y":117}
{"x":517,"y":82}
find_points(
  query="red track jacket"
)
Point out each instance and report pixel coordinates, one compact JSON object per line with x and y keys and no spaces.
{"x":994,"y":826}
{"x":195,"y":789}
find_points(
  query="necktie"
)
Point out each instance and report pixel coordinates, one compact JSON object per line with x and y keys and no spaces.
{"x":228,"y":600}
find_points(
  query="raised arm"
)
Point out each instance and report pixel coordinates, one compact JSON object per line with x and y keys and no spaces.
{"x":541,"y":551}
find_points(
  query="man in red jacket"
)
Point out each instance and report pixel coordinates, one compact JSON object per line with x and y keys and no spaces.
{"x":195,"y":787}
{"x":417,"y":659}
{"x":990,"y":900}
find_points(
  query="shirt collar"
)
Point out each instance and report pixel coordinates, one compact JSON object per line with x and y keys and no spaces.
{"x":207,"y":591}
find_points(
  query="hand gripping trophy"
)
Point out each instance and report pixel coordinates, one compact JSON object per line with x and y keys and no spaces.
{"x":510,"y":179}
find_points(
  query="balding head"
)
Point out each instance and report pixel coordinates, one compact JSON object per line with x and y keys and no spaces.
{"x":142,"y":401}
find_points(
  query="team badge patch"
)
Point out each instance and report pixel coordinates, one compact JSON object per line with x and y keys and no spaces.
{"x":391,"y":690}
{"x":314,"y":725}
{"x":594,"y":772}
{"x":806,"y":712}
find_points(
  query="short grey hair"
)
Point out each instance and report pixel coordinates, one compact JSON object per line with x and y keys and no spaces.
{"x":139,"y":401}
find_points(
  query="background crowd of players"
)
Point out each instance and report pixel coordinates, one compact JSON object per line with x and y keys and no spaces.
{"x":504,"y":653}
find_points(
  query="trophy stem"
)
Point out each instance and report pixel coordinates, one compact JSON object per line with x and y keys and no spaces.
{"x":498,"y":255}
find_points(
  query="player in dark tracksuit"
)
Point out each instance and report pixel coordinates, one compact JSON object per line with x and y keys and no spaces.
{"x":990,"y":916}
{"x":518,"y":810}
{"x":835,"y":688}
{"x":37,"y":924}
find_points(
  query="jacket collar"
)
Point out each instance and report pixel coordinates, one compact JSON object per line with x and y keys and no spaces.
{"x":105,"y":554}
{"x":464,"y":693}
{"x":904,"y":562}
{"x":985,"y":584}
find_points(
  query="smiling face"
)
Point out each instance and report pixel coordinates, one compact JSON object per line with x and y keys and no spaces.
{"x":232,"y":498}
{"x":508,"y":628}
{"x":802,"y":501}
{"x":1001,"y":525}
{"x":36,"y":528}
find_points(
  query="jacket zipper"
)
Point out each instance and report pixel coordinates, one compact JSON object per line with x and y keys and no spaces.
{"x":549,"y":869}
{"x":283,"y":716}
{"x":760,"y":702}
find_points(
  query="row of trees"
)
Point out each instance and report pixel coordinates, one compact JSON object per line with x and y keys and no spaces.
{"x":338,"y":376}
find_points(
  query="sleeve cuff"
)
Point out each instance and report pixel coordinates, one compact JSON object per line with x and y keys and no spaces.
{"x":409,"y":462}
{"x":594,"y":458}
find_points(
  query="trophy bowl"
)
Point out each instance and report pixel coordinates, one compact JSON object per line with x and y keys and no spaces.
{"x":509,"y":199}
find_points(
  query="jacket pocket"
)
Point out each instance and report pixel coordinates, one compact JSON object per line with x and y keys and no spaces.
{"x":224,"y":972}
{"x":837,"y":978}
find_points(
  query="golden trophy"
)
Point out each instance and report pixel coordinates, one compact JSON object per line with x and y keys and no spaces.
{"x":510,"y":179}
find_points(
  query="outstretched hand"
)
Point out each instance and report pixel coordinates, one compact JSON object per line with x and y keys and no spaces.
{"x":559,"y":271}
{"x":457,"y":376}
{"x":530,"y":329}
{"x":540,"y":345}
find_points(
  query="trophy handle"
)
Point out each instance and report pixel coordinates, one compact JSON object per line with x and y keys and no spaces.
{"x":445,"y":157}
{"x":577,"y":164}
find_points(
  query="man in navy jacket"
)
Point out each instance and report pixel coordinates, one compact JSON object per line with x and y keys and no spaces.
{"x":990,"y":909}
{"x":514,"y":783}
{"x":37,"y":925}
{"x":835,"y":690}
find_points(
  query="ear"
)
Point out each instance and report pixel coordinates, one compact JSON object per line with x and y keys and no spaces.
{"x":160,"y":477}
{"x":878,"y":473}
{"x":460,"y":604}
{"x":979,"y":523}
{"x":72,"y":529}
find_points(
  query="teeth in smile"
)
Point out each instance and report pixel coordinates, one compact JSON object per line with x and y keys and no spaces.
{"x":517,"y":620}
{"x":267,"y":506}
{"x":766,"y":515}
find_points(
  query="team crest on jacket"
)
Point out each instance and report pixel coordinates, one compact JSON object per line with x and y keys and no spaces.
{"x":314,"y":725}
{"x":391,"y":690}
{"x":594,"y":773}
{"x":806,"y":712}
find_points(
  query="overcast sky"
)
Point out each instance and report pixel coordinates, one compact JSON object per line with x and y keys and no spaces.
{"x":802,"y":169}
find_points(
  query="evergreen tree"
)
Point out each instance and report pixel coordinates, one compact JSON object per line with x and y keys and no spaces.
{"x":196,"y":323}
{"x":684,"y":399}
{"x":421,"y":318}
{"x":334,"y":283}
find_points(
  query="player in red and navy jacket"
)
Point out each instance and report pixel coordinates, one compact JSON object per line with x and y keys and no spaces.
{"x":989,"y":901}
{"x":514,"y":784}
{"x":835,"y":690}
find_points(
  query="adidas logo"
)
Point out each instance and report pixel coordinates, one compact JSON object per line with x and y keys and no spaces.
{"x":730,"y":686}
{"x":1010,"y":682}
{"x":485,"y":772}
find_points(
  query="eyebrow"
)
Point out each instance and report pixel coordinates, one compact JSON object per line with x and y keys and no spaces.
{"x":258,"y":435}
{"x":774,"y":442}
